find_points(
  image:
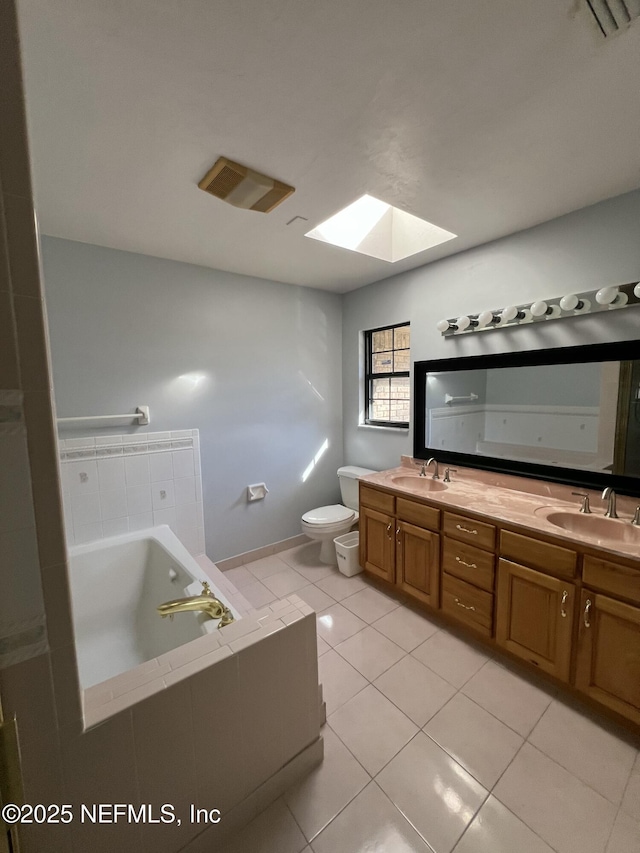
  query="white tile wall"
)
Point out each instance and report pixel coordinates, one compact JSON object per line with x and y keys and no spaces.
{"x":115,"y":484}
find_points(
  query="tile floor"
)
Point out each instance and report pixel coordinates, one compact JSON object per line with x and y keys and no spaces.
{"x":431,"y":745}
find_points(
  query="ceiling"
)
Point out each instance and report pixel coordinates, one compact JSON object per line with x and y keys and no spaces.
{"x":483,"y":117}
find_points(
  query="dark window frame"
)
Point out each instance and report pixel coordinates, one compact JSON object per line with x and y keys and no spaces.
{"x":369,"y":376}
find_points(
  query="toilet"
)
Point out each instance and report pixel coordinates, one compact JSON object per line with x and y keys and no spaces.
{"x":327,"y":522}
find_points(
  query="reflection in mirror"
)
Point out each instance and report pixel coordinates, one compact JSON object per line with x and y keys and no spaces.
{"x":562,"y":414}
{"x":570,"y":414}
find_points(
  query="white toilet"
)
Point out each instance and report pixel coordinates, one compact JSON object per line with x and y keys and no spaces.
{"x":327,"y":522}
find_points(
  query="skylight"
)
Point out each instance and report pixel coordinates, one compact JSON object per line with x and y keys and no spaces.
{"x":373,"y":227}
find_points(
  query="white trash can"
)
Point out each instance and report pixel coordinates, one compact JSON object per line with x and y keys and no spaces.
{"x":347,"y":548}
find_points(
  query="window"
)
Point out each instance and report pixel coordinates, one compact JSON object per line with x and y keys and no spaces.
{"x":386,"y":383}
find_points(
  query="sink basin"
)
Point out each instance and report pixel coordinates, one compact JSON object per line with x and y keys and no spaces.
{"x":596,"y":527}
{"x":419,"y":484}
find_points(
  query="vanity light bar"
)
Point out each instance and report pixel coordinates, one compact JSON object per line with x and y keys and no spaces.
{"x":558,"y":308}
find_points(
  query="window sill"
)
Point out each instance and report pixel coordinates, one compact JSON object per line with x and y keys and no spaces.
{"x":384,"y":428}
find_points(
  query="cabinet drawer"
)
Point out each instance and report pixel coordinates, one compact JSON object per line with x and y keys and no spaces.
{"x":467,"y":530}
{"x":612,"y":577}
{"x":377,"y":499}
{"x":416,"y":513}
{"x":469,"y":563}
{"x":548,"y":558}
{"x":468,"y":604}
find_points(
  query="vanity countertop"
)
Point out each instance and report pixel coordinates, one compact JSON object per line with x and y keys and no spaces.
{"x":519,"y":501}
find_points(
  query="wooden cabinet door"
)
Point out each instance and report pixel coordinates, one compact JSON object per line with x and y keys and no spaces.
{"x":418,"y":562}
{"x":534,"y":617}
{"x":608,"y":662}
{"x":377,"y":549}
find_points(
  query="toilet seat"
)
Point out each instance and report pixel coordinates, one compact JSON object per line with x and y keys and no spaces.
{"x":325,"y":517}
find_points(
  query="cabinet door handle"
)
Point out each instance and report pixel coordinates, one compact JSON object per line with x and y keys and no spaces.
{"x":587,"y":608}
{"x":398,"y":535}
{"x":466,"y":529}
{"x":389,"y":530}
{"x":565,"y":595}
{"x":464,"y":606}
{"x":468,"y":565}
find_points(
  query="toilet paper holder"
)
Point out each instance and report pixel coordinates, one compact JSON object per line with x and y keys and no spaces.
{"x":257,"y":492}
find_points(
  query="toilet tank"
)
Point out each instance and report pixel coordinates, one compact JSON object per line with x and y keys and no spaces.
{"x":348,"y":477}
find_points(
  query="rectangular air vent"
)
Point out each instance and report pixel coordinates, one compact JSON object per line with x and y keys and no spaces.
{"x":614,"y":15}
{"x":243,"y":187}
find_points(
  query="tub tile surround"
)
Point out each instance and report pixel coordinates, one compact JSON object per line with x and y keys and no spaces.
{"x":447,"y":750}
{"x":117,"y":484}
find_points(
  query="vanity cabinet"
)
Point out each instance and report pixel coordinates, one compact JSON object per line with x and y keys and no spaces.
{"x":377,"y":543}
{"x":418,"y":562}
{"x":535,"y":617}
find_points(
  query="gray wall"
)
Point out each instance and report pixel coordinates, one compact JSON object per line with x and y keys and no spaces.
{"x":581,"y":251}
{"x":546,"y":385}
{"x":125,"y":327}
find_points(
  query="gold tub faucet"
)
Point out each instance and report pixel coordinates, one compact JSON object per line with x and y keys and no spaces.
{"x":206,"y":602}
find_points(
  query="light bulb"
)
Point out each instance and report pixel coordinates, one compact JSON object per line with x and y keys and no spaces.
{"x":445,"y":326}
{"x":611,"y":296}
{"x":636,"y":290}
{"x":509,"y":313}
{"x":570,"y":302}
{"x":463,"y":323}
{"x":539,"y":309}
{"x":487,"y":318}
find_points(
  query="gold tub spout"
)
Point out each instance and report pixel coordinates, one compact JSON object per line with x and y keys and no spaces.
{"x":206,"y":602}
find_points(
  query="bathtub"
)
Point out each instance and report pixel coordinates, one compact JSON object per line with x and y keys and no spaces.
{"x":116,"y":586}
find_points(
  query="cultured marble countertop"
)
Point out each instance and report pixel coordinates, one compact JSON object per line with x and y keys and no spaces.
{"x":518,"y":501}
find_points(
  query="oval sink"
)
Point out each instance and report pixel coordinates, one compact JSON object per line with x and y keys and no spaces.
{"x":596,"y":527}
{"x":419,"y":484}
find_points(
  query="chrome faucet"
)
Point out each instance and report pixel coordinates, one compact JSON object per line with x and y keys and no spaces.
{"x":206,"y":602}
{"x":610,"y":496}
{"x":436,"y":476}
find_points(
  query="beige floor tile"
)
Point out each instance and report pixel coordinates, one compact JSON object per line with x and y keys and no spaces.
{"x":267,"y":566}
{"x":372,"y":728}
{"x":625,"y":837}
{"x":567,"y":814}
{"x":369,"y":604}
{"x":320,"y":796}
{"x":406,"y":628}
{"x":585,"y":749}
{"x":370,"y":823}
{"x":336,"y":624}
{"x":631,"y":799}
{"x":257,"y":594}
{"x":340,"y":681}
{"x":284,"y":583}
{"x":273,"y":831}
{"x":322,"y":646}
{"x":496,"y":830}
{"x":512,"y":699}
{"x":478,"y":741}
{"x":240,"y":576}
{"x":370,"y":652}
{"x":449,"y":657}
{"x":433,"y":791}
{"x":340,"y":587}
{"x":415,"y":689}
{"x":306,"y":560}
{"x":315,"y":597}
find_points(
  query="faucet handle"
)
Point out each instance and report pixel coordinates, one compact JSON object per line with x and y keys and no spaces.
{"x":447,"y":472}
{"x":206,"y":589}
{"x":585,"y":501}
{"x":636,"y":518}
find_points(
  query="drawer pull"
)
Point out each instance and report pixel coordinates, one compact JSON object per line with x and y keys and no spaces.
{"x":389,"y":530}
{"x":587,"y":608}
{"x":466,"y":529}
{"x":464,"y":606}
{"x":565,"y":595}
{"x":468,"y":565}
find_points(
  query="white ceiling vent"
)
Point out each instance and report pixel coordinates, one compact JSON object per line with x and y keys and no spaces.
{"x":243,"y":187}
{"x":614,"y":15}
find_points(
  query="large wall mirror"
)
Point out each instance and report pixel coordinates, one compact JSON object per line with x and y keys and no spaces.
{"x":571,"y":414}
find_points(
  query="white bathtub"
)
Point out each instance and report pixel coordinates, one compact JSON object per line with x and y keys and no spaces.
{"x":116,"y":586}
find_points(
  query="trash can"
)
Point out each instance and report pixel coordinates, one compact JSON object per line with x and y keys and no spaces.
{"x":347,"y":548}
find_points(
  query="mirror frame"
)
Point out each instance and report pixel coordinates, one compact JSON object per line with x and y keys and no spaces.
{"x":619,"y":351}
